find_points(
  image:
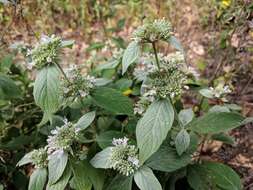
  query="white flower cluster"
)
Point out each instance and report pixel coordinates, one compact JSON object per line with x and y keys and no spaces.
{"x":77,"y":84}
{"x":153,"y":31}
{"x":145,"y":100}
{"x":62,"y":138}
{"x":124,"y":157}
{"x":39,"y":158}
{"x":166,"y":81}
{"x":45,"y":52}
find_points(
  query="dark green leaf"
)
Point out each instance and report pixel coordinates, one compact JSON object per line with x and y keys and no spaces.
{"x":166,"y":159}
{"x":81,"y":179}
{"x":223,"y":138}
{"x":113,"y":101}
{"x":8,"y":88}
{"x":121,"y":183}
{"x":211,"y":174}
{"x":153,"y":128}
{"x":96,"y":176}
{"x":105,"y":139}
{"x":216,"y":122}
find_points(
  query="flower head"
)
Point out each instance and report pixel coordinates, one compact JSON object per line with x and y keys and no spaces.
{"x":45,"y":52}
{"x":62,"y":138}
{"x":124,"y":157}
{"x":77,"y":84}
{"x":170,"y":78}
{"x":153,"y":31}
{"x":39,"y":158}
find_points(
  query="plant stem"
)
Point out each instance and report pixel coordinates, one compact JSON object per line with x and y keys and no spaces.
{"x":176,"y":114}
{"x":65,"y":76}
{"x":156,"y":57}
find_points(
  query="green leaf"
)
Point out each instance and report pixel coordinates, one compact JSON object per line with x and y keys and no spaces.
{"x":223,"y":138}
{"x":85,"y":120}
{"x":96,"y":176}
{"x":81,"y":179}
{"x":166,"y":159}
{"x":102,"y":81}
{"x":176,"y":43}
{"x":62,"y":182}
{"x":46,"y":90}
{"x":111,"y":64}
{"x":153,"y":128}
{"x":67,"y":43}
{"x":198,"y":178}
{"x":105,"y":139}
{"x":146,"y":180}
{"x":218,"y":108}
{"x":182,"y":141}
{"x":206,"y":93}
{"x":113,"y":101}
{"x":130,"y":55}
{"x":211,"y":174}
{"x":102,"y":159}
{"x":123,"y":84}
{"x":216,"y":122}
{"x":8,"y":88}
{"x":1,"y":187}
{"x":120,"y":182}
{"x":38,"y":179}
{"x":185,"y":116}
{"x":56,"y":166}
{"x":25,"y":160}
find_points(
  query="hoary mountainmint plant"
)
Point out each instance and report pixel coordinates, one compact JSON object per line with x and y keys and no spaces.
{"x":122,"y":126}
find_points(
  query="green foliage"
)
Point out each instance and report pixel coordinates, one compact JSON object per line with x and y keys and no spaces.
{"x":119,"y":126}
{"x":130,"y":55}
{"x":46,"y":90}
{"x":113,"y":101}
{"x":153,"y":128}
{"x":214,"y":175}
{"x":146,"y":180}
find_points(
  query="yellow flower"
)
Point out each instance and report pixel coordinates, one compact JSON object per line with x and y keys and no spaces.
{"x":127,"y":92}
{"x":225,"y":3}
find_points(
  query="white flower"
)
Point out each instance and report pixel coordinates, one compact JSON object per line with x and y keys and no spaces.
{"x":120,"y":141}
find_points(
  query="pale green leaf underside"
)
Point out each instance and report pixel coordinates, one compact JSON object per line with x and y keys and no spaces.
{"x":130,"y":55}
{"x":146,"y":180}
{"x":85,"y":120}
{"x":102,"y":159}
{"x":46,"y":90}
{"x":38,"y":179}
{"x":56,"y":166}
{"x":153,"y":128}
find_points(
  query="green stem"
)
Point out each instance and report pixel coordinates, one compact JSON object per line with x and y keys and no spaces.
{"x":156,"y":57}
{"x":65,"y":76}
{"x":176,"y":114}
